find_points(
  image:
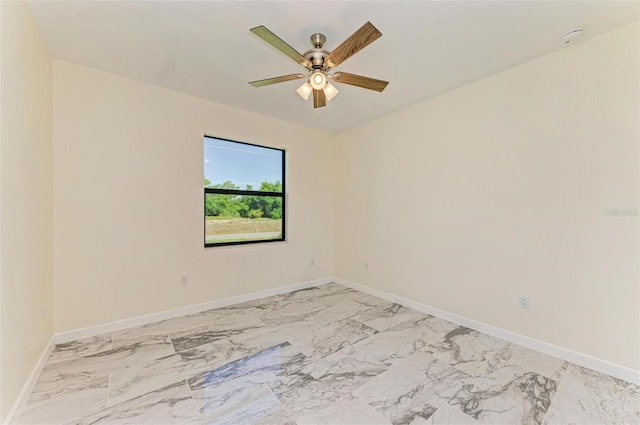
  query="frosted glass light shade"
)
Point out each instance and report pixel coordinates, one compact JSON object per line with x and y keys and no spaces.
{"x":305,"y":90}
{"x":318,"y":80}
{"x":330,"y":91}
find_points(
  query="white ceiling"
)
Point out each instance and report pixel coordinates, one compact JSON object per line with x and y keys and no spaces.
{"x":204,"y":48}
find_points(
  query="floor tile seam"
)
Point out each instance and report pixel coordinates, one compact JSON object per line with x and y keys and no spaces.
{"x":357,"y":319}
{"x":501,"y":365}
{"x":315,"y":325}
{"x":488,"y":347}
{"x":195,"y":404}
{"x":75,"y":357}
{"x":179,"y":371}
{"x":375,"y":331}
{"x":394,"y":325}
{"x":280,"y":403}
{"x":371,"y":357}
{"x":235,"y":351}
{"x":172,"y":346}
{"x":108,"y":388}
{"x":395,"y":365}
{"x":456,"y":366}
{"x":415,"y":323}
{"x":443,"y":403}
{"x":430,"y":353}
{"x":371,"y":407}
{"x":297,"y":348}
{"x":464,"y":381}
{"x":386,"y":372}
{"x":560,"y":383}
{"x":471,"y":377}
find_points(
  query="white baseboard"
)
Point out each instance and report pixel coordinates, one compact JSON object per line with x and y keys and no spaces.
{"x":90,"y":331}
{"x":118,"y":325}
{"x":575,"y":357}
{"x":18,"y":405}
{"x":585,"y":360}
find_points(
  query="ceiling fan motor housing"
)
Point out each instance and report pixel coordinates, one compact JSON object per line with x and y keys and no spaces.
{"x":317,"y":54}
{"x":316,"y":57}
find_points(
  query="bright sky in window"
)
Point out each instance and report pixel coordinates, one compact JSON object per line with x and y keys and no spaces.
{"x":241,"y":164}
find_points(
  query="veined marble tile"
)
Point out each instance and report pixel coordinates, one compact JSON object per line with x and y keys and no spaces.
{"x":133,"y":370}
{"x":169,"y":405}
{"x":369,"y":300}
{"x":493,"y":399}
{"x":59,"y":397}
{"x":207,"y":356}
{"x":252,"y":340}
{"x":235,"y":318}
{"x":321,"y":383}
{"x":159,"y":331}
{"x":513,"y":359}
{"x":257,"y":407}
{"x":333,"y":287}
{"x":450,"y":415}
{"x":384,"y":317}
{"x":466,"y":349}
{"x":253,"y":305}
{"x":308,"y":356}
{"x":341,"y":295}
{"x":301,"y":295}
{"x":107,"y":361}
{"x":589,"y":397}
{"x":411,"y":391}
{"x":337,"y":312}
{"x":348,"y":411}
{"x":317,"y":293}
{"x":282,"y":313}
{"x":532,"y":361}
{"x":79,"y":348}
{"x":184,"y":341}
{"x":331,"y":295}
{"x":399,"y":342}
{"x":230,"y":384}
{"x":348,"y":364}
{"x":139,"y":378}
{"x":331,"y":338}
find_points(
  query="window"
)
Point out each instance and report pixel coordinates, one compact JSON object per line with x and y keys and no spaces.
{"x":244,"y":187}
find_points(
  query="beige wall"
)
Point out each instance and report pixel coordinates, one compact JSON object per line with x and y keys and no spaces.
{"x":26,"y":282}
{"x":128,"y":201}
{"x":462,"y":202}
{"x":499,"y":189}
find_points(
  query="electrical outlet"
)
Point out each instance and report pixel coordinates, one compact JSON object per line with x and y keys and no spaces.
{"x":366,"y":265}
{"x":184,"y":281}
{"x":313,"y":262}
{"x":523,"y":302}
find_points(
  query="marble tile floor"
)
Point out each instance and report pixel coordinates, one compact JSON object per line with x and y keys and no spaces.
{"x":320,"y":356}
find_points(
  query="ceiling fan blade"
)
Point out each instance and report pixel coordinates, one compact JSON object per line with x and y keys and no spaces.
{"x":319,"y":99}
{"x":275,"y":80}
{"x":360,"y":81}
{"x":352,"y":45}
{"x":281,"y":45}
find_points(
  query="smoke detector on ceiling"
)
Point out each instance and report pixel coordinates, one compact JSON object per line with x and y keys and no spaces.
{"x":572,"y":36}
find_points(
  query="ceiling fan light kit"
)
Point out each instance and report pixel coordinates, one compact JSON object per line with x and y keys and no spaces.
{"x":330,"y":91}
{"x":305,"y":90}
{"x":318,"y":80}
{"x":319,"y":61}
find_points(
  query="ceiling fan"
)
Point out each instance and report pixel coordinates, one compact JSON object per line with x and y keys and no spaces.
{"x":319,"y":61}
